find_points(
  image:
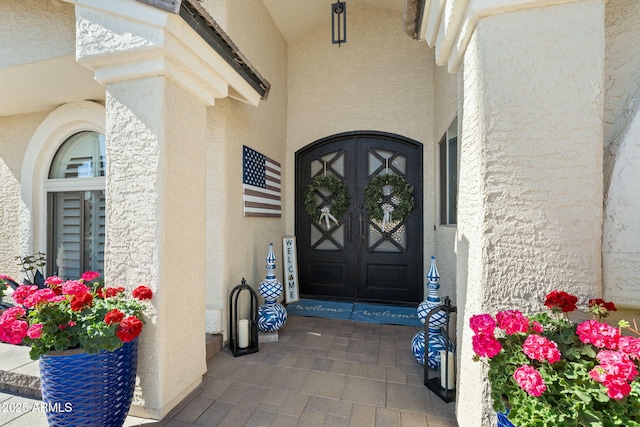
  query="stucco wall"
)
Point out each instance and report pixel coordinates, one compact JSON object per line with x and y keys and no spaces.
{"x":622,"y":66}
{"x":621,"y":233}
{"x":237,"y":246}
{"x":530,"y":196}
{"x":445,"y":111}
{"x":51,"y":32}
{"x":380,"y":79}
{"x":15,"y":134}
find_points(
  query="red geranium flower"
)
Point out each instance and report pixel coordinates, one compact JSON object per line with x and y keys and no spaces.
{"x":80,"y":301}
{"x":114,"y":316}
{"x":129,"y":329}
{"x":142,"y":292}
{"x":112,"y":292}
{"x":561,"y":301}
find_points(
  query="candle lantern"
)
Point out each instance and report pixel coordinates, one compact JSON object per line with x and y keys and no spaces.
{"x":442,"y":380}
{"x":243,"y":333}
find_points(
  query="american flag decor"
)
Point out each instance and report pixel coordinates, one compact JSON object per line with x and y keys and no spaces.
{"x":260,"y":184}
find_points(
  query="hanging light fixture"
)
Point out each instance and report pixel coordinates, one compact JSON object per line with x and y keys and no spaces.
{"x":339,"y":22}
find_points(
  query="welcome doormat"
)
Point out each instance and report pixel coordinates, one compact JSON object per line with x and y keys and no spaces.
{"x":386,"y":314}
{"x":371,"y":313}
{"x":318,"y":308}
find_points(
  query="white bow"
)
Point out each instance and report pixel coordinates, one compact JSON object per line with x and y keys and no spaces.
{"x":326,"y":214}
{"x":386,"y":219}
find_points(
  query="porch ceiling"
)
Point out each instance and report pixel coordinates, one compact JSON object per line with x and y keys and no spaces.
{"x":45,"y":85}
{"x":296,"y":17}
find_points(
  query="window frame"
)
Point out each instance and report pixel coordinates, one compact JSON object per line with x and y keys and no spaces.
{"x":79,"y":185}
{"x":448,"y":183}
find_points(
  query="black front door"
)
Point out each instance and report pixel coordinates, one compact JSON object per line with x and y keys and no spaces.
{"x":358,"y":258}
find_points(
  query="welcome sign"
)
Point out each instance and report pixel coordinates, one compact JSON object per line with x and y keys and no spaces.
{"x":291,"y":293}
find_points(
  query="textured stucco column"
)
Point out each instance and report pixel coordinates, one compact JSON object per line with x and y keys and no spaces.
{"x":160,"y":76}
{"x":156,"y":228}
{"x":531,"y":183}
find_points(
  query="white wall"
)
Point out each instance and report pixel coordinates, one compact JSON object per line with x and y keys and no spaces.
{"x":15,"y":133}
{"x":50,"y":34}
{"x":445,"y":111}
{"x":237,"y":246}
{"x":621,"y":233}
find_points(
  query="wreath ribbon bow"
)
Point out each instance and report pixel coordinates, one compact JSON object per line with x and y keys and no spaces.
{"x":326,"y":214}
{"x":386,"y":218}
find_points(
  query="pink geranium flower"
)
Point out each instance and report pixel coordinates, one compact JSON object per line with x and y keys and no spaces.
{"x":482,"y":324}
{"x":630,"y":346}
{"x":40,"y":295}
{"x":89,"y":276}
{"x":486,"y":345}
{"x":35,"y":331}
{"x":23,"y":292}
{"x":599,"y":334}
{"x":74,"y":287}
{"x":540,"y":348}
{"x":512,"y":322}
{"x":529,"y":379}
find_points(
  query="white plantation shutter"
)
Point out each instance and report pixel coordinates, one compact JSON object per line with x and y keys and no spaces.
{"x":76,"y":207}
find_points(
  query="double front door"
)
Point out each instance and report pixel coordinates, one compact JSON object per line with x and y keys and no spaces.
{"x":357,"y":257}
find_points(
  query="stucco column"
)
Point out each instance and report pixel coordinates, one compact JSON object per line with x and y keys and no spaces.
{"x":160,"y":76}
{"x":155,"y":228}
{"x":531,"y":188}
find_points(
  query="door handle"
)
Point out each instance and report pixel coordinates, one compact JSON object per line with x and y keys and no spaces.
{"x":350,"y":229}
{"x":361,"y":228}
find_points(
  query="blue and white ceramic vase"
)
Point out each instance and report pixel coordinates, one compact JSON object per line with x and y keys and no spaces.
{"x":436,"y":341}
{"x":271,"y":315}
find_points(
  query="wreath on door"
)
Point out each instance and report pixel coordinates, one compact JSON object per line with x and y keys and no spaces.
{"x":388,"y":198}
{"x":339,"y":200}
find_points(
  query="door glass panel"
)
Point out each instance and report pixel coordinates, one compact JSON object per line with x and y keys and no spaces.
{"x":386,"y":162}
{"x":393,"y":242}
{"x":331,"y":164}
{"x":400,"y":163}
{"x":331,"y":238}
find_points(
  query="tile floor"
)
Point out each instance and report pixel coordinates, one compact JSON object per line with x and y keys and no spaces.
{"x":321,"y":372}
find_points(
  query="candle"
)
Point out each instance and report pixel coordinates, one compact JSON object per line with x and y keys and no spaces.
{"x":446,"y":370}
{"x":243,"y":333}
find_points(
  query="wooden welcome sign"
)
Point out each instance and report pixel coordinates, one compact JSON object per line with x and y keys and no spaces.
{"x":291,"y":293}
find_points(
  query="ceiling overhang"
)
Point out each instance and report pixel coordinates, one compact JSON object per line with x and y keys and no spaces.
{"x":206,"y":27}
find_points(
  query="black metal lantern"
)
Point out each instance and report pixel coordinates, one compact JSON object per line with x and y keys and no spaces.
{"x":243,"y":333}
{"x":339,"y":22}
{"x":442,"y":383}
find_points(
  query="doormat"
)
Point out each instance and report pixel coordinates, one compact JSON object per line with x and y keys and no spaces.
{"x":318,"y":308}
{"x":370,"y":313}
{"x":386,"y":314}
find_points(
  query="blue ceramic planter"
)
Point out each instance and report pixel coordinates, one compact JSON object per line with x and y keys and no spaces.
{"x":92,"y":390}
{"x":503,"y":421}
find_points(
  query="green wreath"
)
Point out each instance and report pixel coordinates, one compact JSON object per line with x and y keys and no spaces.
{"x":339,"y":197}
{"x":401,"y":197}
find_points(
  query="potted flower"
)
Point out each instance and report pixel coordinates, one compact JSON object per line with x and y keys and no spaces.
{"x":545,"y":370}
{"x":84,"y":335}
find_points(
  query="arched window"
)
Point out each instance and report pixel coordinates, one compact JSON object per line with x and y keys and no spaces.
{"x":75,"y":196}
